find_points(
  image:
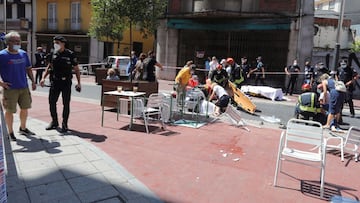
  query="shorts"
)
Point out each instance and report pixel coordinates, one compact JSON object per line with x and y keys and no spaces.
{"x":223,"y":101}
{"x":336,"y":101}
{"x":12,"y":97}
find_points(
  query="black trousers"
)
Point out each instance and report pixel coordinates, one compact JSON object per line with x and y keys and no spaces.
{"x":38,"y":75}
{"x":259,"y":77}
{"x":291,"y":85}
{"x":57,"y":87}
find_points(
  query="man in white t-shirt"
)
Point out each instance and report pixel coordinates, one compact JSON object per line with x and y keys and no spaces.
{"x":222,"y":98}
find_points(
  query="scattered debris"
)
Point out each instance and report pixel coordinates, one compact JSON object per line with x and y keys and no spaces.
{"x":236,"y":159}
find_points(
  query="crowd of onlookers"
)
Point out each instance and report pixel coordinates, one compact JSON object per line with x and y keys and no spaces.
{"x":325,"y":92}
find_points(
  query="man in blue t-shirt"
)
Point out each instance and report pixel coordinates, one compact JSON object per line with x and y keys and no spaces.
{"x":14,"y":65}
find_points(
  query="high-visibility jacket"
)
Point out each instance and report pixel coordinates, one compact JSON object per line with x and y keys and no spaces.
{"x":308,"y":102}
{"x":236,"y":75}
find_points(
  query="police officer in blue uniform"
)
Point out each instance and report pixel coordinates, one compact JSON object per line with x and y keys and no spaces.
{"x":61,"y":64}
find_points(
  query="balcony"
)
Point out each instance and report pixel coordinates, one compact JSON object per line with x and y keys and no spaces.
{"x":49,"y":25}
{"x":73,"y":25}
{"x":69,"y":25}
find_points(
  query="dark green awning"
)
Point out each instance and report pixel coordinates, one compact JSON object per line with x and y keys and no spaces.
{"x":229,"y":25}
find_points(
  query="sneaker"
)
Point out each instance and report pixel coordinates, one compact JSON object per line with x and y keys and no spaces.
{"x":64,"y":128}
{"x":52,"y":125}
{"x":25,"y":132}
{"x":336,"y":129}
{"x":12,"y":137}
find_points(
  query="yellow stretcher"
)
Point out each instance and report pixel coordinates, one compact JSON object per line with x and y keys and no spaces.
{"x":241,"y":99}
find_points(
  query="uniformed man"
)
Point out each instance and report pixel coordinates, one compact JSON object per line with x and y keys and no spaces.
{"x":61,"y":64}
{"x":348,"y":75}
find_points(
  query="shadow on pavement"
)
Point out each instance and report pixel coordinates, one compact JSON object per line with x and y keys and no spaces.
{"x":34,"y":144}
{"x":86,"y":135}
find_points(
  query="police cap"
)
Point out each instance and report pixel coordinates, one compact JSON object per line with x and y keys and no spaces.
{"x":60,"y":38}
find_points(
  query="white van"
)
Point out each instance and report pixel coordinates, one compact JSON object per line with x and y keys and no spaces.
{"x":120,"y":63}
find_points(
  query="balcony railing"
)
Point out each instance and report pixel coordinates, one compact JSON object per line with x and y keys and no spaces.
{"x":49,"y":25}
{"x":72,"y":24}
{"x":69,"y":25}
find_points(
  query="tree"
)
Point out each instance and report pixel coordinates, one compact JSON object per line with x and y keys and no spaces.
{"x":355,"y":47}
{"x":105,"y":22}
{"x":111,"y":17}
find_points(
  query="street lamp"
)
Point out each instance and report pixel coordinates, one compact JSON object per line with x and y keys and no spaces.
{"x":337,"y":45}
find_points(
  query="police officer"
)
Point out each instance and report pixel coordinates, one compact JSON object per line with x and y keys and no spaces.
{"x":61,"y":63}
{"x":292,"y":71}
{"x":308,"y":106}
{"x":348,"y":75}
{"x":40,"y":57}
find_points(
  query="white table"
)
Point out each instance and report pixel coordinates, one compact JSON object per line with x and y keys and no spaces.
{"x":129,"y":94}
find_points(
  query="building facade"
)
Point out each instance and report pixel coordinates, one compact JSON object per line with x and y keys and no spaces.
{"x":38,"y":21}
{"x":276,"y":30}
{"x":71,"y":18}
{"x":17,"y":15}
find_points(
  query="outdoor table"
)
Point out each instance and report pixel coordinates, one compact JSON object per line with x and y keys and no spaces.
{"x":129,"y":94}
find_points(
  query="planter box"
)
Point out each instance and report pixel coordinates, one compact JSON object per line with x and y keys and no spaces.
{"x":100,"y":74}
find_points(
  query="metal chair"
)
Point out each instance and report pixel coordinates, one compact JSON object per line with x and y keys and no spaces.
{"x":146,"y":113}
{"x":303,"y":142}
{"x":349,"y":143}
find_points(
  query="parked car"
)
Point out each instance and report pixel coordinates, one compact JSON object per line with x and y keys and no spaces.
{"x":121,"y":63}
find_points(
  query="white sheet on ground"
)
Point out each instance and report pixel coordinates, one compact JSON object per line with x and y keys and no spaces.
{"x":265,"y":91}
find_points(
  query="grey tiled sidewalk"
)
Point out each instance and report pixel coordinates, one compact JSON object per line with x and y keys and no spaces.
{"x":51,"y":167}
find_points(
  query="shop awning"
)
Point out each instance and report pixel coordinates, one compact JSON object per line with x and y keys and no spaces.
{"x":230,"y":25}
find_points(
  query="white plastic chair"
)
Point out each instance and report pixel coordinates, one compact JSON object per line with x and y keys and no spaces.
{"x":303,"y":143}
{"x":349,"y":143}
{"x":147,"y":113}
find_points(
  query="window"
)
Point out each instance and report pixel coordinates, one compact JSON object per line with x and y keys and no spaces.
{"x":21,"y":10}
{"x":332,"y":5}
{"x":75,"y":16}
{"x":8,"y":11}
{"x":52,"y":20}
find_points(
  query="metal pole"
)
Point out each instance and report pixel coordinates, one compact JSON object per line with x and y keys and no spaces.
{"x":337,"y":45}
{"x":5,"y":23}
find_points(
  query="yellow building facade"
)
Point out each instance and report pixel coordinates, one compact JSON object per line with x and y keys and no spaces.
{"x":71,"y":19}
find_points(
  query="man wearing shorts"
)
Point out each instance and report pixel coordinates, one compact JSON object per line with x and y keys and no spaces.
{"x":14,"y":65}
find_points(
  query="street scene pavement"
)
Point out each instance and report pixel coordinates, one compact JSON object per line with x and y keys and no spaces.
{"x":217,"y":162}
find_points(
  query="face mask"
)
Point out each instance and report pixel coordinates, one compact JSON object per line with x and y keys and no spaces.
{"x":16,"y":47}
{"x":56,"y":47}
{"x":343,"y":65}
{"x":295,"y":64}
